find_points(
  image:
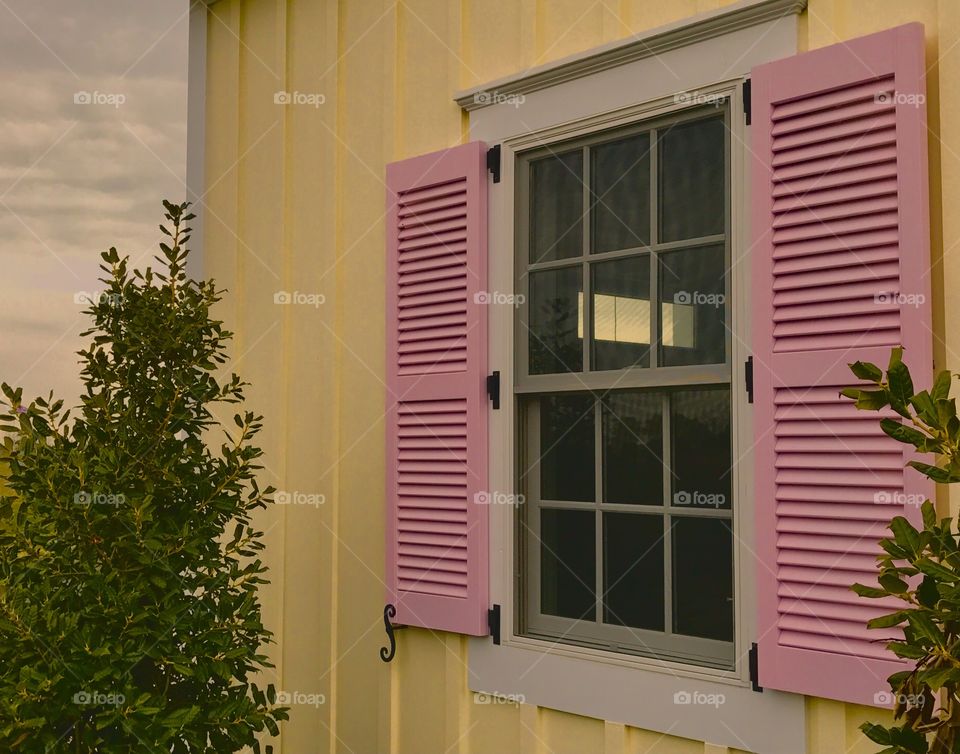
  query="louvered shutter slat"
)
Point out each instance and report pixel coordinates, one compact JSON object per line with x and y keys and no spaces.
{"x":841,"y":261}
{"x":436,"y":404}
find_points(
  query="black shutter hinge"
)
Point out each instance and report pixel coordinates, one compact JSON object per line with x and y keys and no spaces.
{"x":748,"y":378}
{"x":747,"y":100}
{"x":754,"y":664}
{"x":493,"y":162}
{"x":493,"y":623}
{"x":493,"y":388}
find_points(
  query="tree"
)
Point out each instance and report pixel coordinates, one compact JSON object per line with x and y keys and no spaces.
{"x":129,"y":570}
{"x":920,"y":568}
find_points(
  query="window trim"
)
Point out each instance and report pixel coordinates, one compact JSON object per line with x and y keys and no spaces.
{"x":584,"y":680}
{"x":531,"y":621}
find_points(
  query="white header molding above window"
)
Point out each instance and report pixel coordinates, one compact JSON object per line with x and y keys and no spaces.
{"x":740,"y":15}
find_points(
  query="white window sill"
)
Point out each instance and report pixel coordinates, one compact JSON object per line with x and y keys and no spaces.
{"x":684,"y":703}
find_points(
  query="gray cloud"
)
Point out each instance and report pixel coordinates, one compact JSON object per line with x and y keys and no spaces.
{"x":78,"y":178}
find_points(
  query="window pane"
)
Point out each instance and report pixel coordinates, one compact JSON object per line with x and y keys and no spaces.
{"x":633,"y":448}
{"x":692,"y":179}
{"x":556,"y":207}
{"x":692,"y":307}
{"x":703,"y":578}
{"x":567,"y":563}
{"x":633,"y":570}
{"x":621,"y":313}
{"x":700,"y":452}
{"x":620,"y":178}
{"x":556,"y":321}
{"x":567,"y":448}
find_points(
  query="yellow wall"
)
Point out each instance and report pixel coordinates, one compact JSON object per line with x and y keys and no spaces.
{"x":295,"y":202}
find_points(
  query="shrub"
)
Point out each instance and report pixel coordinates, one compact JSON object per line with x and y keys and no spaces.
{"x":129,"y":615}
{"x":920,"y":568}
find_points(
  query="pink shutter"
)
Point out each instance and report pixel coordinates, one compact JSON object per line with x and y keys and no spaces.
{"x":841,"y":262}
{"x":436,"y":422}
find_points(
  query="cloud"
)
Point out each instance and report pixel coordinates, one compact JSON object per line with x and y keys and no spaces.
{"x":79,"y":174}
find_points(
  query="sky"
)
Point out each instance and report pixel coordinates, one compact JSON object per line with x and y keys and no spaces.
{"x":93,"y":113}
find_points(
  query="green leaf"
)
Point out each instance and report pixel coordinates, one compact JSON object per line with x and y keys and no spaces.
{"x":905,"y":534}
{"x":907,"y":651}
{"x":867,"y":400}
{"x":886,"y":621}
{"x":869,"y":591}
{"x":923,"y":624}
{"x":909,"y":740}
{"x":901,"y":387}
{"x":927,"y":593}
{"x":924,"y":406}
{"x":937,"y":677}
{"x":864,"y":370}
{"x":941,"y":385}
{"x":946,"y":412}
{"x":876,"y":733}
{"x":896,"y":357}
{"x":902,"y":433}
{"x":181,"y":717}
{"x":892,"y":583}
{"x":936,"y":570}
{"x":941,"y":476}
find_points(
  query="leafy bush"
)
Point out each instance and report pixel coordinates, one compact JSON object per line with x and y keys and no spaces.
{"x":920,"y":568}
{"x":129,"y":615}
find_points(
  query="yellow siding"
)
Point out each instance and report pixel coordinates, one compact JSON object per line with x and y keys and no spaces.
{"x":295,"y":203}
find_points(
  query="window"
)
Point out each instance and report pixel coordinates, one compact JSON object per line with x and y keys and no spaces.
{"x":623,"y":374}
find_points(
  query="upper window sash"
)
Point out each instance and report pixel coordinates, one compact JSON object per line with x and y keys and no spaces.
{"x":581,"y":372}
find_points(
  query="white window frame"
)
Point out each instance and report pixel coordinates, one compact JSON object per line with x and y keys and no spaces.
{"x":633,"y":690}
